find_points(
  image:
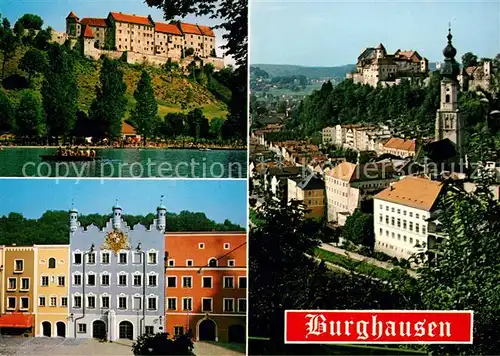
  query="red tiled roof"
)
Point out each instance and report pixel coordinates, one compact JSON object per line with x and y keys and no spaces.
{"x":88,"y":32}
{"x":189,"y":28}
{"x":16,"y":320}
{"x":206,"y":31}
{"x":128,"y":129}
{"x":72,"y":15}
{"x":139,"y":20}
{"x":470,"y":69}
{"x":92,"y":21}
{"x":167,"y":28}
{"x":400,"y":144}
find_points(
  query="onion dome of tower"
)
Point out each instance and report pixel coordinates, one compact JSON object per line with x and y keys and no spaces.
{"x":450,"y":68}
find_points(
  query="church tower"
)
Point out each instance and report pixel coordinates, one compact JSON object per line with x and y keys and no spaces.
{"x":449,"y":121}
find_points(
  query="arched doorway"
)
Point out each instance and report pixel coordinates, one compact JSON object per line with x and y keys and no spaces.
{"x":236,"y":333}
{"x":126,"y":330}
{"x":206,"y":330}
{"x":61,"y":329}
{"x":98,"y":329}
{"x":46,"y":329}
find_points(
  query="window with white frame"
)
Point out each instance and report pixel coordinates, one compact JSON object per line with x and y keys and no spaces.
{"x":91,"y":279}
{"x":105,"y":280}
{"x":227,"y":246}
{"x":171,"y":263}
{"x":45,"y":281}
{"x":61,"y":281}
{"x":189,"y":263}
{"x":137,"y":280}
{"x":77,"y":279}
{"x":137,"y":258}
{"x":122,"y":280}
{"x":25,"y":303}
{"x":64,"y":301}
{"x":91,"y":301}
{"x":228,"y":282}
{"x":201,"y":245}
{"x":152,"y":258}
{"x":25,"y":283}
{"x":152,"y":303}
{"x":12,"y":285}
{"x":242,"y":282}
{"x":82,"y":328}
{"x":242,"y":305}
{"x":206,"y":304}
{"x":105,"y":258}
{"x":212,"y":262}
{"x":91,"y":258}
{"x":187,"y":282}
{"x":11,"y":303}
{"x":18,"y":266}
{"x":53,"y":301}
{"x":122,"y":258}
{"x":105,"y":301}
{"x":137,"y":302}
{"x":231,"y":263}
{"x":122,"y":302}
{"x":77,"y":258}
{"x":172,"y":303}
{"x":77,"y":301}
{"x":41,"y":301}
{"x":207,"y":282}
{"x":171,"y":281}
{"x":229,"y":304}
{"x":187,"y":303}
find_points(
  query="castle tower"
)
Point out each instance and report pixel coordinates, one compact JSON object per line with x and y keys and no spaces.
{"x":117,"y":216}
{"x":380,"y":51}
{"x":449,"y":121}
{"x":72,"y":24}
{"x":73,"y":219}
{"x":161,"y":217}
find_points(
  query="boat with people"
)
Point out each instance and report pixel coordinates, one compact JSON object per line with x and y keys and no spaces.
{"x":71,"y":154}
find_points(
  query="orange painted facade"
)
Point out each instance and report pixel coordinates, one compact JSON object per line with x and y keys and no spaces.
{"x":206,"y":279}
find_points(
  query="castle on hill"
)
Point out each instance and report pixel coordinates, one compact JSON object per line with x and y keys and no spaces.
{"x":375,"y":66}
{"x":141,"y":39}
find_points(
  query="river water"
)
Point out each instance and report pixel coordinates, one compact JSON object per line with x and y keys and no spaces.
{"x":127,"y":163}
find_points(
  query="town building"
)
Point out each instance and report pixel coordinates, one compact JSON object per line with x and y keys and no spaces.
{"x":206,"y":286}
{"x":348,"y":184}
{"x":51,"y":284}
{"x":479,"y":76}
{"x":311,"y":191}
{"x":399,"y":147}
{"x":401,"y":214}
{"x":117,"y":278}
{"x":18,"y":285}
{"x":356,"y":136}
{"x":140,"y":39}
{"x":375,"y":66}
{"x":449,"y":120}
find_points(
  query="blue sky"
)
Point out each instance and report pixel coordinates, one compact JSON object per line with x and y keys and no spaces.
{"x":330,"y":33}
{"x":218,"y":199}
{"x":54,"y":12}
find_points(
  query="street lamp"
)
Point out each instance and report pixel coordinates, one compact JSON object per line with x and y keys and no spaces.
{"x":143,"y":259}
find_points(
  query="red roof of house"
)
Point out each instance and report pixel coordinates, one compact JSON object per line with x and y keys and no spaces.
{"x":93,"y":21}
{"x":400,"y":144}
{"x":139,"y":20}
{"x":167,"y":28}
{"x":189,"y":28}
{"x":206,"y":31}
{"x":72,"y":15}
{"x":128,"y":129}
{"x":88,"y":32}
{"x":16,"y":320}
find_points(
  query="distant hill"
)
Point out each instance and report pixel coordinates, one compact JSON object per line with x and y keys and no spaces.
{"x":171,"y":91}
{"x":276,"y":70}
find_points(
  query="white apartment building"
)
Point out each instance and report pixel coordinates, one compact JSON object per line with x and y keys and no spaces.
{"x":329,"y":135}
{"x":348,"y":184}
{"x":400,"y":216}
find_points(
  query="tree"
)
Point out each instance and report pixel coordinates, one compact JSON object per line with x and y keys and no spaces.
{"x":465,"y":276}
{"x":189,"y":51}
{"x":161,"y":344}
{"x":29,"y":117}
{"x":33,"y":62}
{"x":42,"y":39}
{"x":108,"y":108}
{"x":174,"y":124}
{"x":6,"y":113}
{"x":469,"y":59}
{"x":59,"y":93}
{"x":216,"y":125}
{"x":359,"y":229}
{"x":30,"y":21}
{"x":197,"y":123}
{"x":8,"y":43}
{"x":146,"y":107}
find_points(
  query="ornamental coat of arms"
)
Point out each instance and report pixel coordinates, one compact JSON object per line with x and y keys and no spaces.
{"x":115,"y":241}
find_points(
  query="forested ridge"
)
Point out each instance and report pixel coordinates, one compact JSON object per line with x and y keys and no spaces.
{"x":53,"y":226}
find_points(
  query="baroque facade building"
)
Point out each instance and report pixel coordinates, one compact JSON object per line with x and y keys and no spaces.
{"x":117,"y":278}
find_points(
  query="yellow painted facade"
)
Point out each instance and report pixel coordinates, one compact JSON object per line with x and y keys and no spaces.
{"x":52,"y":265}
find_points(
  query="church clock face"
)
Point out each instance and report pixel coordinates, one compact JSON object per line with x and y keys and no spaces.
{"x":115,"y":241}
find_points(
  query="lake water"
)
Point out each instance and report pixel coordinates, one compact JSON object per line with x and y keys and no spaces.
{"x":128,"y":163}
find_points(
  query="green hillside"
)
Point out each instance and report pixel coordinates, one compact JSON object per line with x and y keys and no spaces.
{"x":171,"y":90}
